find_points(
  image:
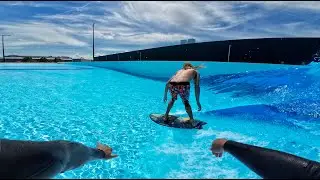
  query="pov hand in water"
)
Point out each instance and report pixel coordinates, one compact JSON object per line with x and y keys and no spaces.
{"x":217,"y":147}
{"x":107,"y":150}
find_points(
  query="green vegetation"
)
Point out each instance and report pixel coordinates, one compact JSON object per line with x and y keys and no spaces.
{"x":27,"y":59}
{"x":43,"y":59}
{"x":56,"y":60}
{"x":35,"y":59}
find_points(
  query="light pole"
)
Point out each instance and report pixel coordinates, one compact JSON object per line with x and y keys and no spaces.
{"x":93,"y":42}
{"x":229,"y":52}
{"x":4,"y":59}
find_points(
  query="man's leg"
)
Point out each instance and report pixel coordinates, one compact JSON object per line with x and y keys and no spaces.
{"x":170,"y":105}
{"x":188,"y":109}
{"x":174,"y":95}
{"x":184,"y":94}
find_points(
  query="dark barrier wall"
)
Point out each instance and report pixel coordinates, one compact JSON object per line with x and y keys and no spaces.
{"x":294,"y":51}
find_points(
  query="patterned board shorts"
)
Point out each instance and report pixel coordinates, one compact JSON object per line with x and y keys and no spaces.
{"x":180,"y":88}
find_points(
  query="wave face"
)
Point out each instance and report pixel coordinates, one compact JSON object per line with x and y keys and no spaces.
{"x":275,"y":108}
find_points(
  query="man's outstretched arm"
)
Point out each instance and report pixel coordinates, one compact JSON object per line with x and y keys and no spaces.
{"x":268,"y":163}
{"x":33,"y":159}
{"x":80,"y":154}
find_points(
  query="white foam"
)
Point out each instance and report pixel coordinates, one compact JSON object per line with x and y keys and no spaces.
{"x":224,"y":134}
{"x":173,"y":149}
{"x":179,"y":112}
{"x":196,"y":161}
{"x":229,"y":135}
{"x":311,"y":126}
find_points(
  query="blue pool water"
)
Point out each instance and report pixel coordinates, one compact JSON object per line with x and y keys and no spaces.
{"x":277,"y":109}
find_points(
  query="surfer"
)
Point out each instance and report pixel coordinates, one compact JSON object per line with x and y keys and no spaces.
{"x":38,"y":159}
{"x":179,"y":84}
{"x":268,"y":163}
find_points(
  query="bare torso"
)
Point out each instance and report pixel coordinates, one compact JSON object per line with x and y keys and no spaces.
{"x":184,"y":75}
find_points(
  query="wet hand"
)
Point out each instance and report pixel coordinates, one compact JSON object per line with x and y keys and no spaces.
{"x":107,"y":150}
{"x":199,"y":106}
{"x":165,"y":99}
{"x":217,"y":147}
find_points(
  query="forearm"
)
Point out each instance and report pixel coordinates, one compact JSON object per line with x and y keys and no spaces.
{"x":269,"y":163}
{"x":197,"y":92}
{"x":38,"y":159}
{"x":66,"y":152}
{"x":80,"y":154}
{"x":166,"y":89}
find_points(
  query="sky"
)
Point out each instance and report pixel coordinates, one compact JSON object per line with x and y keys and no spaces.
{"x":64,"y":28}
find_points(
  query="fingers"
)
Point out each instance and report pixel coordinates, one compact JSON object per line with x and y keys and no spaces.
{"x":99,"y":146}
{"x":112,"y":156}
{"x":218,"y":154}
{"x":214,"y":152}
{"x":107,"y":148}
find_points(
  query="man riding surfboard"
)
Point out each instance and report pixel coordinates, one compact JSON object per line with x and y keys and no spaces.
{"x":179,"y":84}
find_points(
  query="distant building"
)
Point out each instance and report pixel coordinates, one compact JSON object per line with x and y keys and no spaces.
{"x":65,"y":58}
{"x":187,"y":41}
{"x":191,"y":41}
{"x":184,"y":42}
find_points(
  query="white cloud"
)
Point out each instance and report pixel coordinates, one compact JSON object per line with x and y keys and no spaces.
{"x":131,"y":25}
{"x":111,"y":49}
{"x":37,"y":4}
{"x":24,"y":43}
{"x":15,"y":3}
{"x":157,"y":22}
{"x":68,"y":18}
{"x":151,"y":38}
{"x":183,"y":15}
{"x":41,"y":33}
{"x":296,"y":29}
{"x":307,"y":5}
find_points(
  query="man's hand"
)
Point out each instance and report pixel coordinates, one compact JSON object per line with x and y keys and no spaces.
{"x":165,"y":99}
{"x":199,"y":106}
{"x":217,"y":147}
{"x":107,"y":150}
